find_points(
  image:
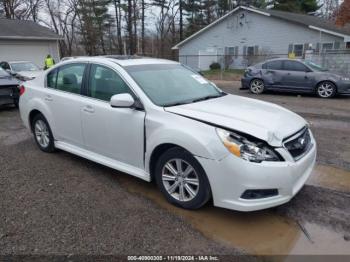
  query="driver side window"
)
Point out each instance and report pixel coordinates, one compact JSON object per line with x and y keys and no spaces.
{"x":104,"y":83}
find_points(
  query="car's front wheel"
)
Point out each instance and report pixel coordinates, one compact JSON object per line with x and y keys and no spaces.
{"x":326,"y":89}
{"x":182,"y":179}
{"x":257,"y":86}
{"x":42,"y":134}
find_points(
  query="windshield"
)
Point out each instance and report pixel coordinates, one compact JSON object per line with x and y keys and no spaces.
{"x":3,"y":73}
{"x":315,"y":66}
{"x":172,"y":84}
{"x":24,"y":66}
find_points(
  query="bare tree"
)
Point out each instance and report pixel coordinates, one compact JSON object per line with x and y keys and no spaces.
{"x":168,"y":10}
{"x":63,"y":17}
{"x":118,"y":21}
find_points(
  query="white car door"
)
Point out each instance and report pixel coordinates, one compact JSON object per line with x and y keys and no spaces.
{"x":117,"y":133}
{"x":63,"y":96}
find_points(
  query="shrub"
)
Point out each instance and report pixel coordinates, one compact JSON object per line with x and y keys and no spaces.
{"x":215,"y":65}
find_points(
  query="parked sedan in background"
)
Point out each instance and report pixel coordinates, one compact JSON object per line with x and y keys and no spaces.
{"x":9,"y":91}
{"x":294,"y":76}
{"x":22,"y":70}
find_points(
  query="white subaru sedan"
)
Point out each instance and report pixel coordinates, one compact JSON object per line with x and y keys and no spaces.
{"x":160,"y":121}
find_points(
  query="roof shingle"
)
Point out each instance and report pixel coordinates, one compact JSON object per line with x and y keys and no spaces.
{"x":10,"y":29}
{"x":308,"y":20}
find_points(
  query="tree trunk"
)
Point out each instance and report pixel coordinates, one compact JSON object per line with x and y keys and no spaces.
{"x":135,"y":27}
{"x":129,"y":28}
{"x":143,"y":26}
{"x":118,"y":24}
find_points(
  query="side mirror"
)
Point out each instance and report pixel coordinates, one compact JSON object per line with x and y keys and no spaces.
{"x":122,"y":101}
{"x":10,"y":72}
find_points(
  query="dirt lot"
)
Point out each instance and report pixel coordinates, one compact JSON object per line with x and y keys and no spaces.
{"x":62,"y":204}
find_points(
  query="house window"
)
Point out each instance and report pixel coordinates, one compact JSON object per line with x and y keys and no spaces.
{"x":327,"y":46}
{"x":298,"y":50}
{"x":232,"y":51}
{"x":250,"y":50}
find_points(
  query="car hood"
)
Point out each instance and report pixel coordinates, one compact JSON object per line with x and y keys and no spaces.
{"x":29,"y":73}
{"x":8,"y":81}
{"x":266,"y":121}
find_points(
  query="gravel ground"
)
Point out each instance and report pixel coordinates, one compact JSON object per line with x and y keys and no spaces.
{"x":62,"y":204}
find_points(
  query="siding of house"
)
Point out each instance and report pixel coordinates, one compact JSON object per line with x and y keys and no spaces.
{"x":271,"y":35}
{"x":28,"y":50}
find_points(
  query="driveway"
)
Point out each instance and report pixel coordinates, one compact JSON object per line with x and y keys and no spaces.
{"x":61,"y":204}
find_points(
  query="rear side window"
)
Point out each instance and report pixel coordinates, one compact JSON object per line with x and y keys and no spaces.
{"x":104,"y":83}
{"x":294,"y":66}
{"x":5,"y":66}
{"x":273,"y":65}
{"x":70,"y":78}
{"x":51,"y":79}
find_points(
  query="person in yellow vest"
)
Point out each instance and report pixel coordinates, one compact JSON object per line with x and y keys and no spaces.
{"x":49,"y":62}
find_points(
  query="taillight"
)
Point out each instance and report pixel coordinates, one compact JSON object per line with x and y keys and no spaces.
{"x":21,"y":90}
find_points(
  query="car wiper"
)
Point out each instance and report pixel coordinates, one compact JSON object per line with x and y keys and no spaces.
{"x":208,"y":97}
{"x":177,"y":103}
{"x":195,"y":100}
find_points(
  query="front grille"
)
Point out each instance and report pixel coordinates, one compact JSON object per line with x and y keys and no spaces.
{"x":299,"y":143}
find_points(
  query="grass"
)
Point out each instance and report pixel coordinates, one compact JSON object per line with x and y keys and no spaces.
{"x":228,"y":74}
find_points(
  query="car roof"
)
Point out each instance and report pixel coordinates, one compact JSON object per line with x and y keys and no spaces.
{"x":123,"y":60}
{"x":280,"y":58}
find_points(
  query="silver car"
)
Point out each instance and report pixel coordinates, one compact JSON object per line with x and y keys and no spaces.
{"x":294,"y":76}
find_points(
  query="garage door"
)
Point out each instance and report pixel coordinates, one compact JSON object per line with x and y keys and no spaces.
{"x":33,"y":53}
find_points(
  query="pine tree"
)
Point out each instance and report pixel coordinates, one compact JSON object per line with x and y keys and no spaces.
{"x":297,"y":6}
{"x":94,"y":19}
{"x":195,"y":16}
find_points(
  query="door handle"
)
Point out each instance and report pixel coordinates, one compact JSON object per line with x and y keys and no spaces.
{"x":48,"y":98}
{"x":89,"y":109}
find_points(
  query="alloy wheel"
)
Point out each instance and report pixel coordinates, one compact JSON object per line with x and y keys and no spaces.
{"x":180,"y":180}
{"x":42,"y":133}
{"x":257,"y":86}
{"x":325,"y":90}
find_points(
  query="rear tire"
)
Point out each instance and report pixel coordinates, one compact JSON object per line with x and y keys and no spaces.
{"x":43,"y":134}
{"x":181,"y":179}
{"x":257,"y":86}
{"x":326,"y":89}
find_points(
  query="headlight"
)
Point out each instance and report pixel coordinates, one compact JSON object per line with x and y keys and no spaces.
{"x":245,"y":149}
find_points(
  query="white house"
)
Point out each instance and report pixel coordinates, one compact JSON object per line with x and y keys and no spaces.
{"x":248,"y":35}
{"x":26,"y":40}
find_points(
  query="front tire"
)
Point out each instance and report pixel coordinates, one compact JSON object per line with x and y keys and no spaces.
{"x":42,"y":134}
{"x":181,"y":179}
{"x":326,"y":89}
{"x":257,"y":86}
